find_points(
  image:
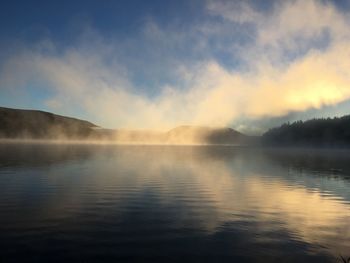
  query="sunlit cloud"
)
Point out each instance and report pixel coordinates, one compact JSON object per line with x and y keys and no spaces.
{"x":298,"y":59}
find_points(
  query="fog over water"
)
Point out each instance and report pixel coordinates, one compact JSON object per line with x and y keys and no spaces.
{"x":105,"y":202}
{"x":153,"y":131}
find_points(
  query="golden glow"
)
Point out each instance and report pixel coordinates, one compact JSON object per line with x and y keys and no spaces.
{"x":228,"y":191}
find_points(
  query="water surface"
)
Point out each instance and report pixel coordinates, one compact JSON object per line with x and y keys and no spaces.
{"x":93,"y":203}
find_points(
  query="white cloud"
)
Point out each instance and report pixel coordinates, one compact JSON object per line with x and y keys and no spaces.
{"x":294,"y":22}
{"x":235,"y":11}
{"x":272,"y":84}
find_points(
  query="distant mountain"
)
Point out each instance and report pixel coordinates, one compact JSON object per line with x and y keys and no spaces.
{"x":198,"y":134}
{"x":16,"y":123}
{"x":33,"y":124}
{"x":330,"y":132}
{"x":179,"y":135}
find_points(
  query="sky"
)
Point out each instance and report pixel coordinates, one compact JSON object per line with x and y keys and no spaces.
{"x":249,"y":65}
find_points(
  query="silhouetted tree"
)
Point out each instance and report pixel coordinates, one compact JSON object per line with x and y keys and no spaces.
{"x":330,"y":132}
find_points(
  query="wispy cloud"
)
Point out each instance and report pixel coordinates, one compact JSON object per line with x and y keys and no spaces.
{"x":297,"y":59}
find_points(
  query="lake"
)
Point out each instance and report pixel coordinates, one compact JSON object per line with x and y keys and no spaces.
{"x":93,"y":203}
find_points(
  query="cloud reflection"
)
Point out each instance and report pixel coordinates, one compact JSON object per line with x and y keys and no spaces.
{"x":206,"y":188}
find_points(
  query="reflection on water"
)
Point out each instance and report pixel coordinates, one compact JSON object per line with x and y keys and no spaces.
{"x":64,"y":203}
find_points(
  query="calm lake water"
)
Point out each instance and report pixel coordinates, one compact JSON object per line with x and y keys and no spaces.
{"x":85,"y":203}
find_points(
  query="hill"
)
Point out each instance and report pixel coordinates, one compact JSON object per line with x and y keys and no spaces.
{"x":330,"y":132}
{"x":16,"y":123}
{"x":34,"y":124}
{"x":199,"y":134}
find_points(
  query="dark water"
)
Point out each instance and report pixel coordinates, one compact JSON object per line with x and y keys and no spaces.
{"x":80,"y":203}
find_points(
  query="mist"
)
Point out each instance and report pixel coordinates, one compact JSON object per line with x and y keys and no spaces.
{"x":296,"y":61}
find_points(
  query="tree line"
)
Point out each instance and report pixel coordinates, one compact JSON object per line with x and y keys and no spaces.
{"x":327,"y":132}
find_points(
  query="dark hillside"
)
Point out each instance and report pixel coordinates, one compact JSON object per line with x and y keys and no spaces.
{"x":16,"y":123}
{"x":330,"y":132}
{"x":33,"y":124}
{"x":198,"y":134}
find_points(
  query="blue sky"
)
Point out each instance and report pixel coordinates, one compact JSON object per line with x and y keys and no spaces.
{"x":157,"y":64}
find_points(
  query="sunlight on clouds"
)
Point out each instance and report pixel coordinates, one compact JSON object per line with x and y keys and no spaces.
{"x":271,"y":84}
{"x":317,"y":79}
{"x":295,"y":22}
